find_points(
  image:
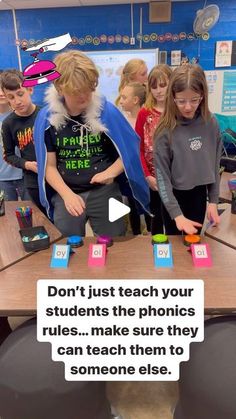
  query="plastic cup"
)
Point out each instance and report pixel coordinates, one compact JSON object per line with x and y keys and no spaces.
{"x":2,"y":207}
{"x":233,"y":203}
{"x":24,"y":220}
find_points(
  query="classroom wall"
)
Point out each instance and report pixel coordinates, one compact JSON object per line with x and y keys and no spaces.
{"x":8,"y":52}
{"x":98,"y":28}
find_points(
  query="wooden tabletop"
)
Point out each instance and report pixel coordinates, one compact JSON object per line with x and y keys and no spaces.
{"x":128,"y":258}
{"x":11,"y":247}
{"x":225,"y":232}
{"x":225,"y":194}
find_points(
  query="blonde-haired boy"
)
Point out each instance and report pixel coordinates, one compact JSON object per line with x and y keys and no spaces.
{"x":88,"y":145}
{"x":77,"y":71}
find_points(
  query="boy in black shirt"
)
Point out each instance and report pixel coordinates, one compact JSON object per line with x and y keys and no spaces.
{"x":81,"y":164}
{"x":17,"y":130}
{"x":88,"y":144}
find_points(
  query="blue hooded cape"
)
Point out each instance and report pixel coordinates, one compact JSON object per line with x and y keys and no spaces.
{"x":125,"y":140}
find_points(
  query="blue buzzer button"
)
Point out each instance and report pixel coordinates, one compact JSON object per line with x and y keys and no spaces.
{"x":75,"y":241}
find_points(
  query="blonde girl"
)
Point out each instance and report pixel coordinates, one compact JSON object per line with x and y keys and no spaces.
{"x":132,"y":98}
{"x":134,"y":70}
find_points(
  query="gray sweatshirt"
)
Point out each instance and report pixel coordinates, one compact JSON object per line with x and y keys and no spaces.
{"x":189,"y":156}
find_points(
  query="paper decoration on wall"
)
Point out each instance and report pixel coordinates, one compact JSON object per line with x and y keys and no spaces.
{"x":186,"y":60}
{"x":118,"y":38}
{"x":191,"y":36}
{"x":125,"y":39}
{"x":42,"y":71}
{"x":146,"y":38}
{"x":205,"y":36}
{"x":96,"y":41}
{"x":176,"y":57}
{"x":111,"y":39}
{"x":168,"y":36}
{"x":153,"y":37}
{"x":162,"y":57}
{"x":211,"y":78}
{"x":194,"y":60}
{"x":103,"y":39}
{"x":88,"y":39}
{"x":182,"y":36}
{"x":175,"y":37}
{"x":223,"y":53}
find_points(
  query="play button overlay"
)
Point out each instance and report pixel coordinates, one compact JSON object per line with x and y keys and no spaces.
{"x":116,"y":210}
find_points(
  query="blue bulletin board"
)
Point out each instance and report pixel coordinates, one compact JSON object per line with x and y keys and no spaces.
{"x":229,"y":92}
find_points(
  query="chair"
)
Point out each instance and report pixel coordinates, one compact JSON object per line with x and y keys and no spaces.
{"x":32,"y":386}
{"x":208,"y":380}
{"x":229,"y":139}
{"x":227,"y":125}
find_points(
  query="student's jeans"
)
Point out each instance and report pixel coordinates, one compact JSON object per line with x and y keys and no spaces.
{"x":96,"y":211}
{"x":153,"y":224}
{"x":33,"y":195}
{"x":13,"y":189}
{"x":193,"y":206}
{"x":134,"y":216}
{"x":157,"y":226}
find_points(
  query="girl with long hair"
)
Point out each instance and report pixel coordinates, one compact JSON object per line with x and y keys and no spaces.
{"x":146,"y":123}
{"x":135,"y":70}
{"x":187,"y":154}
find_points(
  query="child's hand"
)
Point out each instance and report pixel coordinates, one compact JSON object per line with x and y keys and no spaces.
{"x":152,"y":183}
{"x":74,"y":204}
{"x":212,"y":214}
{"x":102,"y":177}
{"x":31,"y":165}
{"x":186,"y":225}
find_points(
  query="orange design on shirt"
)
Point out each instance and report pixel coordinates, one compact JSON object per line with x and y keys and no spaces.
{"x":25,"y":137}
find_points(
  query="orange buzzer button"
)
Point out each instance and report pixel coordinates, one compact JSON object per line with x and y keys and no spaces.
{"x":191,"y":239}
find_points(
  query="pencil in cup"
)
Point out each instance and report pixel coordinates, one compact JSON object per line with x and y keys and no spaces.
{"x":2,"y":203}
{"x":24,"y":216}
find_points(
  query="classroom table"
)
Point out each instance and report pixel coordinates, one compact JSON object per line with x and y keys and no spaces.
{"x":128,"y":258}
{"x":225,"y":232}
{"x":225,"y":194}
{"x":11,"y":247}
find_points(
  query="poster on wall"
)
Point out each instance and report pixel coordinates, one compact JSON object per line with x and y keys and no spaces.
{"x":229,"y":92}
{"x":175,"y":58}
{"x":223,"y":54}
{"x":211,"y":77}
{"x":233,"y":57}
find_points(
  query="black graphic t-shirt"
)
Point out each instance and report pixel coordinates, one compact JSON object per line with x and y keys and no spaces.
{"x":80,"y":153}
{"x":17,"y":131}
